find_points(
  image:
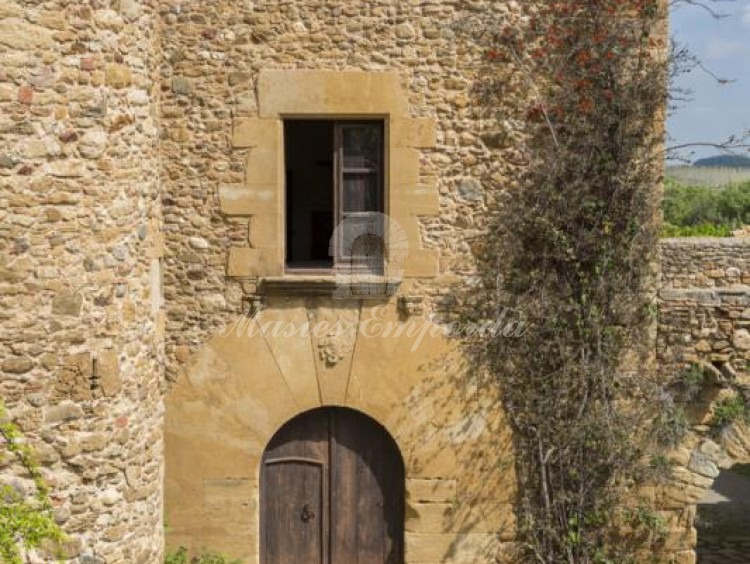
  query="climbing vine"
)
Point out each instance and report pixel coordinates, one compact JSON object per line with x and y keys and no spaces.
{"x":572,"y":247}
{"x":25,"y":520}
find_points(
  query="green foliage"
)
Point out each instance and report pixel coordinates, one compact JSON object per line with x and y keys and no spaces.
{"x":703,"y":230}
{"x":180,"y":556}
{"x":704,"y":211}
{"x":25,"y":521}
{"x":671,"y":425}
{"x":660,"y":469}
{"x":690,"y":383}
{"x":644,"y":517}
{"x":730,"y":410}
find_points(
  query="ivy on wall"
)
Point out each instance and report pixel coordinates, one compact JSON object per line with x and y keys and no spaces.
{"x":26,"y":520}
{"x":572,"y":247}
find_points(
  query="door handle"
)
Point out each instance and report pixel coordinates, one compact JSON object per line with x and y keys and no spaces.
{"x":307,"y":514}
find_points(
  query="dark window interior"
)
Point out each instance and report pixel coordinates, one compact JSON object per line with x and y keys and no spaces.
{"x":309,"y":192}
{"x":334,"y":174}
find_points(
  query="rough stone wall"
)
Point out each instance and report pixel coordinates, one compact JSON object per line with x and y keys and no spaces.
{"x":214,"y":53}
{"x":215,"y":56}
{"x":80,"y":336}
{"x":704,"y":321}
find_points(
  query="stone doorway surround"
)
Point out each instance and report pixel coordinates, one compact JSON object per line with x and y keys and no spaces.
{"x":246,"y":382}
{"x":242,"y":384}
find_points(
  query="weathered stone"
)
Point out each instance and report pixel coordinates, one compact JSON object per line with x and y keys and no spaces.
{"x":17,"y":365}
{"x":198,"y":243}
{"x":108,"y":373}
{"x":741,"y":339}
{"x":405,"y":31}
{"x":701,"y":464}
{"x":67,"y":304}
{"x":67,"y":169}
{"x":93,"y":144}
{"x":19,"y":34}
{"x":236,"y":78}
{"x":181,"y":86}
{"x":64,"y":411}
{"x":8,"y":161}
{"x":130,"y":9}
{"x":118,"y":76}
{"x":470,"y":189}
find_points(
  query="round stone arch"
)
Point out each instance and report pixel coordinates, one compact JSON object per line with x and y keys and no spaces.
{"x":256,"y":374}
{"x":703,"y":453}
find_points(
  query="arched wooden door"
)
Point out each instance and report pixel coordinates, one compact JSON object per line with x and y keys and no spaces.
{"x":332,"y":492}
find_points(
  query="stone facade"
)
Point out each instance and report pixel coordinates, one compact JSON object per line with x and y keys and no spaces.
{"x":81,"y":339}
{"x":233,"y":71}
{"x":142,"y":185}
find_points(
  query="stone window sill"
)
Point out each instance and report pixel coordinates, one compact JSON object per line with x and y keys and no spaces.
{"x":355,"y":287}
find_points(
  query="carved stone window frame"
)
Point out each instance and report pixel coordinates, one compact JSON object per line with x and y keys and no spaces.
{"x":314,"y":94}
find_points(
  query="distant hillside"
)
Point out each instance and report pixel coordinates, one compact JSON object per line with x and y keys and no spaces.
{"x":724,"y":161}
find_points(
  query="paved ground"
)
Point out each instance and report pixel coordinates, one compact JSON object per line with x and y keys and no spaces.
{"x":724,"y":520}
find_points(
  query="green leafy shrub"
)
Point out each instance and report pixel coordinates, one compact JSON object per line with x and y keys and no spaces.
{"x":730,"y":410}
{"x":25,"y":520}
{"x":180,"y":556}
{"x":691,"y":211}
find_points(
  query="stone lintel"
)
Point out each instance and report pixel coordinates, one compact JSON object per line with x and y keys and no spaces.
{"x":342,"y":93}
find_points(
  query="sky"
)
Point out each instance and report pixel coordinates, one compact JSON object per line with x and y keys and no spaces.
{"x":716,"y":111}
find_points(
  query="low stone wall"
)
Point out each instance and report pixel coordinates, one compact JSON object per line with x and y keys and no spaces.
{"x":705,"y":262}
{"x":704,"y":321}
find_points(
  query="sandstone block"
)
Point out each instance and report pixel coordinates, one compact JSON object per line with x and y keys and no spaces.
{"x":741,"y":339}
{"x":64,"y":411}
{"x":242,"y":262}
{"x":17,"y":365}
{"x":19,"y":34}
{"x":413,"y":132}
{"x":181,"y":86}
{"x":329,"y":92}
{"x":118,"y":76}
{"x":67,"y":304}
{"x":241,"y":199}
{"x":108,"y":373}
{"x":93,"y":144}
{"x":253,"y":132}
{"x":422,"y":263}
{"x":430,"y":490}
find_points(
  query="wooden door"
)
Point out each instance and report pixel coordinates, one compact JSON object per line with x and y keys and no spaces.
{"x":332,"y":492}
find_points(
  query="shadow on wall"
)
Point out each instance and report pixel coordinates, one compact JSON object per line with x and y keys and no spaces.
{"x":723,"y":518}
{"x":461,"y":417}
